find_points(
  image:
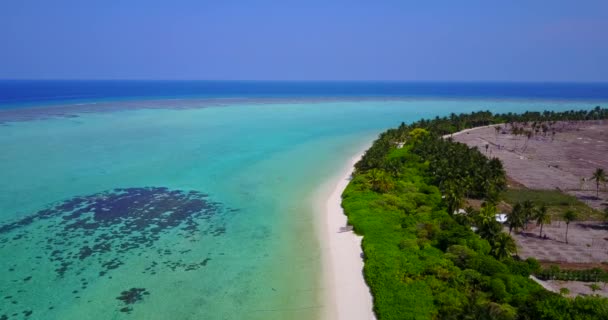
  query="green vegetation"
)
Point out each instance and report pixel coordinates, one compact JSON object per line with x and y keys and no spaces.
{"x":569,"y":216}
{"x":374,"y":157}
{"x":423,"y":261}
{"x":594,"y":287}
{"x":541,"y":122}
{"x":586,"y":275}
{"x":515,"y":220}
{"x":542,"y":218}
{"x":524,"y":212}
{"x":557,"y":202}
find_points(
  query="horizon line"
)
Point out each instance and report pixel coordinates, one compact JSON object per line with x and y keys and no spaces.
{"x":310,"y":80}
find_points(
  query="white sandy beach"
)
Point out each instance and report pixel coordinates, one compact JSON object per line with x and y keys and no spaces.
{"x":347,"y":294}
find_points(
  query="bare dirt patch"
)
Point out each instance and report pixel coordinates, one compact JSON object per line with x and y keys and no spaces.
{"x":587,"y":243}
{"x":578,"y":288}
{"x":564,"y":160}
{"x":542,"y":165}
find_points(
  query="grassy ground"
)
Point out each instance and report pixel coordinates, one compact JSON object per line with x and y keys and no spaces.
{"x":556,"y":201}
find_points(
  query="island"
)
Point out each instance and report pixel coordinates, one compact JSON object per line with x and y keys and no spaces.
{"x":460,"y":224}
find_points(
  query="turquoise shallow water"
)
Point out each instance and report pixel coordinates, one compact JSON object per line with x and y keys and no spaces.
{"x":197,"y":213}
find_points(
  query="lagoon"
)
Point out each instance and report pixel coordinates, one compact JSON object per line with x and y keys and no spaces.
{"x":208,"y":209}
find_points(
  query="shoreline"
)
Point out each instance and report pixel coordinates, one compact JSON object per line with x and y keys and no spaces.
{"x":346,"y":293}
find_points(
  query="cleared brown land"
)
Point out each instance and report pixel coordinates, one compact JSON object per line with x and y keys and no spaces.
{"x":562,"y":161}
{"x":547,"y":161}
{"x":587,"y":243}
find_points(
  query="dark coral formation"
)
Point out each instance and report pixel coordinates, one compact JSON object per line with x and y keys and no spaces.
{"x":117,"y":221}
{"x":173,"y":265}
{"x":131,"y":296}
{"x":133,"y":206}
{"x":102,"y":232}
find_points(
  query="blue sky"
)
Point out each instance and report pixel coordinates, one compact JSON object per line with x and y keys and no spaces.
{"x":532,"y":40}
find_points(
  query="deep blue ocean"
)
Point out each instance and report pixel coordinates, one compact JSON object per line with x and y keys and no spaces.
{"x":15,"y":93}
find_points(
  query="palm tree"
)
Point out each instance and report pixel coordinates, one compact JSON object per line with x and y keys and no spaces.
{"x":542,"y":217}
{"x":487,"y":213}
{"x":504,"y":246}
{"x":599,"y":176}
{"x":515,"y":219}
{"x":489,"y":228}
{"x":527,"y":209}
{"x":454,"y":197}
{"x":569,"y":216}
